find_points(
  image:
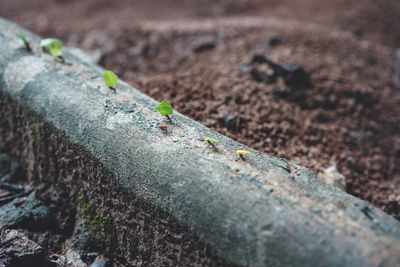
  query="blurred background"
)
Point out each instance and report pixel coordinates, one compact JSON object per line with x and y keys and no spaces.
{"x":316,"y":82}
{"x":377,"y":21}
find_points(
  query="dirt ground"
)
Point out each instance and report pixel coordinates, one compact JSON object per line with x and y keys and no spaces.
{"x":312,"y":81}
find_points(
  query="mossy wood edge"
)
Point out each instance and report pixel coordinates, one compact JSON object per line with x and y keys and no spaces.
{"x":263,"y":211}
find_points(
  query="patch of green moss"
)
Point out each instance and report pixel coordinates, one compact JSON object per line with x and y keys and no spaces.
{"x":59,"y":185}
{"x":95,"y":221}
{"x":37,"y":132}
{"x":1,"y":162}
{"x":100,"y":223}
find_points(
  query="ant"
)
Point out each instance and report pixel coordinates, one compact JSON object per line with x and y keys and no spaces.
{"x":241,"y":153}
{"x":164,"y":128}
{"x":211,"y":144}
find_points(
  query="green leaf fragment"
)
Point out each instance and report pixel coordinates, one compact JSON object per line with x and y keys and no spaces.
{"x":56,"y":48}
{"x":53,"y":45}
{"x":20,"y":36}
{"x":46,"y":42}
{"x":210,"y":139}
{"x":111,"y":79}
{"x":164,"y":108}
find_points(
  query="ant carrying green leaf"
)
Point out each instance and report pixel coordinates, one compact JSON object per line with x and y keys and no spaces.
{"x":241,"y":153}
{"x":111,"y":80}
{"x":26,"y":43}
{"x":54,"y":46}
{"x":211,"y":141}
{"x":165,"y":109}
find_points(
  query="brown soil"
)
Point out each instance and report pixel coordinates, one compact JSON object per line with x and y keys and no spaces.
{"x":315,"y":83}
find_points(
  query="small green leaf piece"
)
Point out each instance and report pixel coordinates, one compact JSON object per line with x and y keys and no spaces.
{"x":53,"y":45}
{"x":111,"y":79}
{"x":26,"y":43}
{"x":56,"y":48}
{"x":209,"y":139}
{"x":20,"y":36}
{"x":46,"y":42}
{"x":164,"y":108}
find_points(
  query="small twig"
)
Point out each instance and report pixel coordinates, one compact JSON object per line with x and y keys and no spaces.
{"x":10,"y":198}
{"x":5,"y":243}
{"x":12,"y":187}
{"x":113,"y":89}
{"x":6,"y":194}
{"x":168,"y":118}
